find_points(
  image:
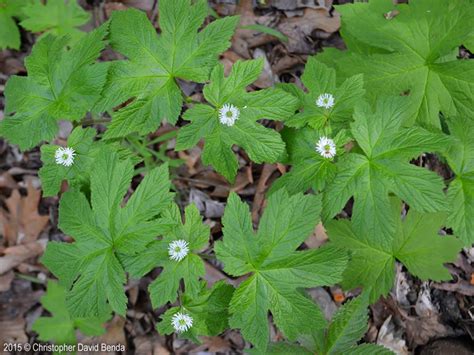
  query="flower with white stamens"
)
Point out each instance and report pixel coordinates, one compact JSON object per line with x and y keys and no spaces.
{"x":181,"y":322}
{"x":326,"y":147}
{"x":178,"y":249}
{"x":325,"y":100}
{"x":64,"y":156}
{"x":228,"y":114}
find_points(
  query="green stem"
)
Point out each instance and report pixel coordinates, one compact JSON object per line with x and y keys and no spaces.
{"x":29,"y":278}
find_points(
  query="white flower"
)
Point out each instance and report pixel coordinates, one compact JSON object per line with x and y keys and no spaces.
{"x":228,"y":114}
{"x":181,"y":322}
{"x":178,"y":249}
{"x":326,"y":147}
{"x":325,"y":100}
{"x":64,"y":156}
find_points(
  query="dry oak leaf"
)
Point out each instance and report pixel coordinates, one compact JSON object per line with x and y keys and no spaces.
{"x":299,"y":29}
{"x":22,"y":223}
{"x":15,"y":255}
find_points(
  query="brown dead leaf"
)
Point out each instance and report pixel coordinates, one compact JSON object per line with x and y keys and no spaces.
{"x":13,"y":331}
{"x":247,"y":17}
{"x":244,"y":38}
{"x":461,"y":286}
{"x":109,"y":7}
{"x":22,"y":223}
{"x":6,"y":280}
{"x":457,"y":346}
{"x":417,"y":330}
{"x":297,"y":4}
{"x":259,"y":198}
{"x":207,"y":206}
{"x":154,"y":345}
{"x":283,"y":60}
{"x":324,"y":300}
{"x":243,"y":179}
{"x":281,"y":168}
{"x":114,"y":335}
{"x":6,"y":180}
{"x":14,"y":303}
{"x":133,"y":291}
{"x":299,"y":29}
{"x":317,"y":238}
{"x":9,"y":219}
{"x":390,"y":337}
{"x":205,"y":179}
{"x":191,"y":158}
{"x":214,"y":345}
{"x":420,"y":330}
{"x":15,"y":255}
{"x":267,"y":78}
{"x":25,"y":268}
{"x":214,"y":275}
{"x":391,"y":14}
{"x":228,"y":59}
{"x":145,"y":5}
{"x":11,"y":65}
{"x":236,"y":338}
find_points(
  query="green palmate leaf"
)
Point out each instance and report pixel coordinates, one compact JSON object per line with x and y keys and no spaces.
{"x":370,"y":349}
{"x":90,"y":268}
{"x":56,"y":17}
{"x":9,"y":33}
{"x":155,"y":62}
{"x":461,"y":190}
{"x":415,"y":243}
{"x":277,"y":271}
{"x":62,"y":83}
{"x":61,"y":326}
{"x":241,"y":127}
{"x":310,"y":169}
{"x":320,"y":80}
{"x":340,"y":337}
{"x":209,"y":310}
{"x":283,"y":348}
{"x":381,"y":166}
{"x":347,"y":327}
{"x":52,"y":174}
{"x":188,"y":266}
{"x":85,"y":149}
{"x":413,"y":51}
{"x":469,"y":43}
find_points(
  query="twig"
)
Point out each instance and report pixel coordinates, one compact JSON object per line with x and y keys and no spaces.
{"x":462,"y":287}
{"x":257,"y":205}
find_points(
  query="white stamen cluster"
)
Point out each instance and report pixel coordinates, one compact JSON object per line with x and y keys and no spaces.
{"x":178,"y":249}
{"x":64,"y":156}
{"x":325,"y":100}
{"x":228,"y":114}
{"x":181,"y":322}
{"x":326,"y":147}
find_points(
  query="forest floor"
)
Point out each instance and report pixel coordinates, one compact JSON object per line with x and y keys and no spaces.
{"x":416,"y":317}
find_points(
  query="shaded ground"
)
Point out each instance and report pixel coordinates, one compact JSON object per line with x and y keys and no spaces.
{"x":413,"y":315}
